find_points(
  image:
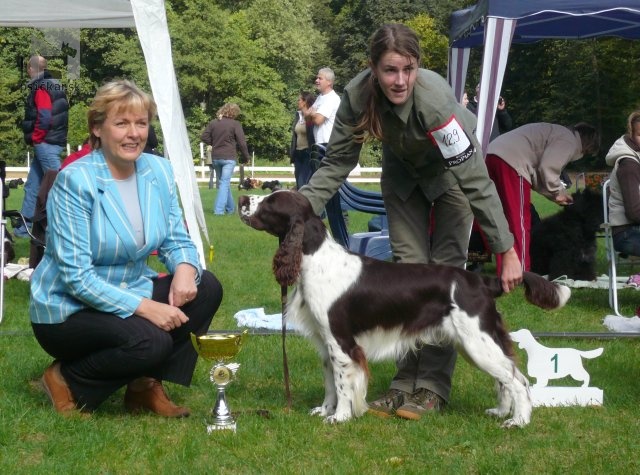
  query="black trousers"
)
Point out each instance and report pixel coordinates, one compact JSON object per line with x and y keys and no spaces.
{"x":100,"y":352}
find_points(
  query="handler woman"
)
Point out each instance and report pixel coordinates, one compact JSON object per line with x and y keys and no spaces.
{"x":96,"y":307}
{"x":431,"y":164}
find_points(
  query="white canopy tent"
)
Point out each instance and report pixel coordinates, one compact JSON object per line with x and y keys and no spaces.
{"x":495,"y":24}
{"x":149,"y":19}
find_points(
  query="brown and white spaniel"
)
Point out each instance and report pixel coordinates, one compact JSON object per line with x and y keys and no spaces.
{"x":356,"y":308}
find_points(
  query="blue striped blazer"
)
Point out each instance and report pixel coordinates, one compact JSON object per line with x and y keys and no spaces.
{"x":91,"y":258}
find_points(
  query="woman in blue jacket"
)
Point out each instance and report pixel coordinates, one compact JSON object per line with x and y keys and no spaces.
{"x":96,"y":307}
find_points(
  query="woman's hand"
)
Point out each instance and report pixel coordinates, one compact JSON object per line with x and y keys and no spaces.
{"x":166,"y":317}
{"x":511,"y":275}
{"x":183,"y":286}
{"x":564,"y":200}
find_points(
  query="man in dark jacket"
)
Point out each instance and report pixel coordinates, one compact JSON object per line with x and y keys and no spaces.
{"x":502,"y":121}
{"x":45,"y":128}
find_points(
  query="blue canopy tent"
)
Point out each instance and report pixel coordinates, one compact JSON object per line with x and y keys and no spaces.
{"x":498,"y":23}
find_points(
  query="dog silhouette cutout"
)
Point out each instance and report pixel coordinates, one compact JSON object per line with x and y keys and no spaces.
{"x":545,"y":363}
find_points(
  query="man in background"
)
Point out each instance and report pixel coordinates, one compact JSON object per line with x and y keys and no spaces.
{"x":502,"y":121}
{"x":323,"y":111}
{"x":45,"y":128}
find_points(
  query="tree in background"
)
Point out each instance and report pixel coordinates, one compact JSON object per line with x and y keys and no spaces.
{"x":14,"y":47}
{"x":434,"y":45}
{"x":259,"y":56}
{"x":358,"y":19}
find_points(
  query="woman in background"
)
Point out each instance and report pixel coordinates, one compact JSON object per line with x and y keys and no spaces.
{"x":225,"y":135}
{"x":302,"y":140}
{"x":624,"y":198}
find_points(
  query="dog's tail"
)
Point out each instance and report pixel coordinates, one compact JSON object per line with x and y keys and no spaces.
{"x":544,"y":294}
{"x":537,"y":290}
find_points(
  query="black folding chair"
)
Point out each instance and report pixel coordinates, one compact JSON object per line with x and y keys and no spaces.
{"x":374,"y":243}
{"x":6,"y":246}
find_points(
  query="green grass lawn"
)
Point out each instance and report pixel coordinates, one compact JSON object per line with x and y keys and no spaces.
{"x":273,"y":439}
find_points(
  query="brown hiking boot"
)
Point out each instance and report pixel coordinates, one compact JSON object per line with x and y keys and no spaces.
{"x":57,"y":389}
{"x":386,"y":405}
{"x":148,"y":394}
{"x":420,"y":402}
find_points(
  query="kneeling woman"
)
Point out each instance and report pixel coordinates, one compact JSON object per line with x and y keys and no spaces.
{"x":96,"y":307}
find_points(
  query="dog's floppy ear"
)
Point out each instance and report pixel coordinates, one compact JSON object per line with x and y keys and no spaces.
{"x":286,"y":262}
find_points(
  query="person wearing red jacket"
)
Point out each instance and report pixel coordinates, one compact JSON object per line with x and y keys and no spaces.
{"x":45,"y":128}
{"x":84,"y":150}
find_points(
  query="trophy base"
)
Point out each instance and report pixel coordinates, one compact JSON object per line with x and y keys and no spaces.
{"x":221,"y":426}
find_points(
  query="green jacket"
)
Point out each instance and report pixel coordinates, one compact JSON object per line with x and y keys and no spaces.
{"x":419,"y":150}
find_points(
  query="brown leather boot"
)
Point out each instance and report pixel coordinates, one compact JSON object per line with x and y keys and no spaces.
{"x":56,"y":388}
{"x":148,"y":394}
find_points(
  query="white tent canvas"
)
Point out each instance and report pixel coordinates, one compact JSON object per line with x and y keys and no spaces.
{"x":149,"y":19}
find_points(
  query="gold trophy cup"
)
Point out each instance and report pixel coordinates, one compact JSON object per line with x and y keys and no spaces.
{"x":221,"y":348}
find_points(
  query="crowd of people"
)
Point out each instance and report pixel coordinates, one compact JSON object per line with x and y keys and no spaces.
{"x":108,"y":321}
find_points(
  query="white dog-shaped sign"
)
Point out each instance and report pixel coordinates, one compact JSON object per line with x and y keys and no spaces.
{"x":553,"y":363}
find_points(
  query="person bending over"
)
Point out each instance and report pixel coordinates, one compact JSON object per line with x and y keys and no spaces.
{"x":431,"y":166}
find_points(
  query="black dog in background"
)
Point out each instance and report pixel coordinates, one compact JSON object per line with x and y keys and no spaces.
{"x":15,"y":183}
{"x":273,"y":185}
{"x":565,"y":243}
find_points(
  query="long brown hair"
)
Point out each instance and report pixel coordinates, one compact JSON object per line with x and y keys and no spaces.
{"x":399,"y":39}
{"x":589,"y":136}
{"x":230,"y":110}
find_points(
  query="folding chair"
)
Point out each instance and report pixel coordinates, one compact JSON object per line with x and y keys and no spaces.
{"x":374,"y":244}
{"x":612,"y":256}
{"x":4,"y":214}
{"x":3,"y":229}
{"x":17,"y":219}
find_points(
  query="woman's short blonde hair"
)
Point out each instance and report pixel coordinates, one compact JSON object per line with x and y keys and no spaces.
{"x":229,"y":110}
{"x":121,"y":94}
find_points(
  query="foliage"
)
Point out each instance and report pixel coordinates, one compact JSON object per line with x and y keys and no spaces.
{"x":358,"y":19}
{"x":14,"y":47}
{"x":294,"y":47}
{"x":434,"y":45}
{"x":371,"y":154}
{"x":240,"y":60}
{"x":113,"y":54}
{"x":78,"y":130}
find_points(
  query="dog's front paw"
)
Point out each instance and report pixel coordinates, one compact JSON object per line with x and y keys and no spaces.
{"x":337,"y":418}
{"x":323,"y":411}
{"x":515,"y":422}
{"x":497,"y":412}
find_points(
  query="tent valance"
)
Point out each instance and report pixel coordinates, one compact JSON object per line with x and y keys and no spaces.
{"x":536,"y":20}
